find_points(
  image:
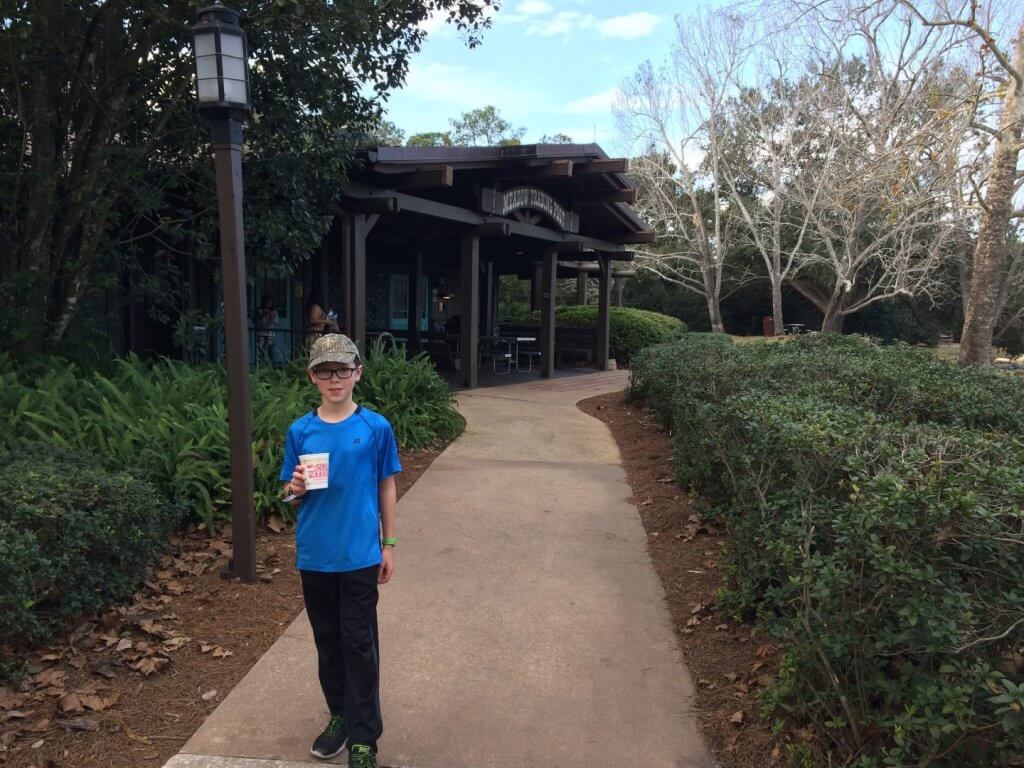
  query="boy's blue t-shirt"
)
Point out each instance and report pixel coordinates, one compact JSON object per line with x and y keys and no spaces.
{"x":339,"y":526}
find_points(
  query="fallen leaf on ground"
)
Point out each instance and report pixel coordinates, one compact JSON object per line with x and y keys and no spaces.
{"x":209,"y":695}
{"x":70,"y":702}
{"x":124,"y":644}
{"x":103,"y":669}
{"x":150,"y":664}
{"x":275,"y":523}
{"x":80,"y":724}
{"x":174,"y":588}
{"x":98,"y":703}
{"x":175,"y":643}
{"x":220,"y":652}
{"x":51,"y":677}
{"x":731,"y":676}
{"x":737,"y":717}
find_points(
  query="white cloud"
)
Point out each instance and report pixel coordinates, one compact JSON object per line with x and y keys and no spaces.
{"x":533,"y":8}
{"x":562,"y":23}
{"x":598,"y":102}
{"x":463,"y":88}
{"x":630,"y":26}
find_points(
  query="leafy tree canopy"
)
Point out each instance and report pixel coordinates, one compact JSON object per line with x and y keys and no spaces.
{"x":101,"y":151}
{"x":484,"y":127}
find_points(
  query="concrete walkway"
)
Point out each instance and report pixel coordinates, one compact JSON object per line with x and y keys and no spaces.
{"x":525,"y":625}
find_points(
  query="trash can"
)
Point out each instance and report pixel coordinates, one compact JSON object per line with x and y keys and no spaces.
{"x":768,"y":326}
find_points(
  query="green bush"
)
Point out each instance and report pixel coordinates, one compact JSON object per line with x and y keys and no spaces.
{"x":905,"y":383}
{"x":415,"y":399}
{"x":874,"y":511}
{"x":170,"y":418}
{"x":629,"y":330}
{"x":75,"y":536}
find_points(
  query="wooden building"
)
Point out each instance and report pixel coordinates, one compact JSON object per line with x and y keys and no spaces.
{"x":426,"y":232}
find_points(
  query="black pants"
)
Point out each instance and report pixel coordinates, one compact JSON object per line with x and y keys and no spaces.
{"x":342,"y":610}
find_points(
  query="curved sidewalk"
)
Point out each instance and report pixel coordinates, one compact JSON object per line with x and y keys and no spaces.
{"x":525,"y":625}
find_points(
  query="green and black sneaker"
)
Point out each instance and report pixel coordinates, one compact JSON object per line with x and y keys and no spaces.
{"x":362,"y":756}
{"x":332,"y":740}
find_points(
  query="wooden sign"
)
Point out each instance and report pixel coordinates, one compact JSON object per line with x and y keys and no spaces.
{"x":520,"y":198}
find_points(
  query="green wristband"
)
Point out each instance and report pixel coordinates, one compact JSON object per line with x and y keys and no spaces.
{"x":390,"y":541}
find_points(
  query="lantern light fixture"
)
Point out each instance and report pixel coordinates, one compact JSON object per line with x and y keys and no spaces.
{"x":222,"y":61}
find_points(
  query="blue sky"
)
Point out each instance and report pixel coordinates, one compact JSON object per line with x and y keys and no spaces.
{"x":551,"y":66}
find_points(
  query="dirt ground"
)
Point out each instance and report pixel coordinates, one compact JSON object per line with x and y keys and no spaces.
{"x":127,"y":689}
{"x":729,"y":662}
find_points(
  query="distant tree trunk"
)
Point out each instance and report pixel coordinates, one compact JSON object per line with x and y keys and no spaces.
{"x":777,"y":318}
{"x":992,"y":253}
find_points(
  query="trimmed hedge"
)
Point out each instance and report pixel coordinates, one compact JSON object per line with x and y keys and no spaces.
{"x":629,"y":330}
{"x":873,"y":499}
{"x":74,"y":537}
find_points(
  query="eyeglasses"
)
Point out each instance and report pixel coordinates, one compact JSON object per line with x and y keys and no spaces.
{"x":325,"y":374}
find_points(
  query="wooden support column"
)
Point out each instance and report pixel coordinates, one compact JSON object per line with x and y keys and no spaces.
{"x":360,"y":230}
{"x":603,"y":310}
{"x":488,"y":296}
{"x":549,"y":270}
{"x":354,"y":276}
{"x":415,"y":303}
{"x":581,"y":288}
{"x":535,"y":284}
{"x":469,"y":306}
{"x":345,"y":292}
{"x":617,"y":290}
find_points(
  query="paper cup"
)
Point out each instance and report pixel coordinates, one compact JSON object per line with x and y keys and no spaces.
{"x":317,"y":466}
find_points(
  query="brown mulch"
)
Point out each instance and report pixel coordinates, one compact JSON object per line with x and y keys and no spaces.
{"x":128,"y":688}
{"x":729,"y":662}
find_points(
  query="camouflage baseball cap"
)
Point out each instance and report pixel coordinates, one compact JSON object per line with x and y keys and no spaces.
{"x":333,"y":348}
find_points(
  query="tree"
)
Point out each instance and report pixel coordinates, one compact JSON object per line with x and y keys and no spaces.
{"x":877,"y":180}
{"x":678,"y":114}
{"x":770,"y":126}
{"x":996,"y":110}
{"x":430,"y":139}
{"x":385,"y":134}
{"x":555,"y":138}
{"x":484,"y":127}
{"x":102,"y":150}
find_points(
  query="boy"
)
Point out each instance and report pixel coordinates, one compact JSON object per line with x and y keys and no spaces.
{"x":345,"y":539}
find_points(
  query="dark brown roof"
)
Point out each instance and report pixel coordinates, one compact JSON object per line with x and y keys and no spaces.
{"x":581,"y":177}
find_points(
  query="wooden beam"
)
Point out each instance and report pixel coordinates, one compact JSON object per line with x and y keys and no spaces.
{"x":581,"y":288}
{"x":469,"y":307}
{"x":614,"y":165}
{"x":346,"y":275}
{"x":418,"y":205}
{"x":487,"y":305}
{"x":635,"y":237}
{"x":549,"y":270}
{"x":535,"y":282}
{"x":603,"y":312}
{"x":415,"y":303}
{"x":494,"y":229}
{"x":569,"y":246}
{"x":371,"y":205}
{"x":360,"y":229}
{"x":556,"y":169}
{"x":606,"y":197}
{"x":428,"y":178}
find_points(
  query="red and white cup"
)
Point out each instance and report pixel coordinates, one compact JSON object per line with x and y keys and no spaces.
{"x":317,"y":467}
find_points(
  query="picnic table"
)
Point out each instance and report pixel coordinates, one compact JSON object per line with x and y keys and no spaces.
{"x":795,"y":329}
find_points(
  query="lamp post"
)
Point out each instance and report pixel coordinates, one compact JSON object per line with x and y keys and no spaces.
{"x":222,"y":89}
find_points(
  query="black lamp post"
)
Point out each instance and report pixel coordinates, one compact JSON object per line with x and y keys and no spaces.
{"x":222,"y":89}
